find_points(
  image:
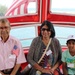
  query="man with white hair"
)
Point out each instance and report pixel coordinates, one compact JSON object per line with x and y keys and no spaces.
{"x":11,"y":52}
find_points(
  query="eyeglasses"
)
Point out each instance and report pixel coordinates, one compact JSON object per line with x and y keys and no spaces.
{"x":4,"y":27}
{"x":43,"y":29}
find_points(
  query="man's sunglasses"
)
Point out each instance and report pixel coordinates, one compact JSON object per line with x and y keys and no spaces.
{"x":43,"y":29}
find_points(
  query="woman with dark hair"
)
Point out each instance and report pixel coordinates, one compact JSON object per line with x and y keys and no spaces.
{"x":52,"y":59}
{"x":50,"y":27}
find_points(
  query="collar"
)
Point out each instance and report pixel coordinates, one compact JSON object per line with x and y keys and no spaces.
{"x":7,"y":40}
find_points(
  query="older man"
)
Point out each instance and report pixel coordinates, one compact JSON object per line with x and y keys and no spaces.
{"x":11,"y":52}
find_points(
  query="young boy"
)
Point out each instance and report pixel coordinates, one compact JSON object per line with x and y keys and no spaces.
{"x":68,"y":57}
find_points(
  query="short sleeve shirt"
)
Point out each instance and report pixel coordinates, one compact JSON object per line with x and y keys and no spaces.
{"x":11,"y":53}
{"x":70,"y":60}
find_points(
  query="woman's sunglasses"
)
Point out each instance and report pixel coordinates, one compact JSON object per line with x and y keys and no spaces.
{"x":43,"y":29}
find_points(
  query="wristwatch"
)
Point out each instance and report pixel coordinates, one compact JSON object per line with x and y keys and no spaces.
{"x":0,"y":73}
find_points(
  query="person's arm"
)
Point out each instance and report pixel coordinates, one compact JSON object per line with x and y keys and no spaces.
{"x":55,"y":67}
{"x":41,"y":69}
{"x":64,"y":67}
{"x":59,"y":50}
{"x":64,"y":64}
{"x":16,"y":68}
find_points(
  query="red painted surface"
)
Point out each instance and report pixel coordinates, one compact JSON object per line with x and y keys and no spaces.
{"x":43,"y":13}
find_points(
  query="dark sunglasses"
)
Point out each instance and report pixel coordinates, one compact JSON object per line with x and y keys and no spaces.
{"x":43,"y":29}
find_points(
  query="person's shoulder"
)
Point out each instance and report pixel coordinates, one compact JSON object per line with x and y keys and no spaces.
{"x":55,"y":40}
{"x":65,"y":52}
{"x":37,"y":38}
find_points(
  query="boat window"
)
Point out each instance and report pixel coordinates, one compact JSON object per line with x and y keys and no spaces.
{"x":62,"y":6}
{"x":62,"y":32}
{"x":24,"y":34}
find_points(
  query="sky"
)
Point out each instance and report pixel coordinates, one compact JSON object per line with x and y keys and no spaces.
{"x":6,"y":2}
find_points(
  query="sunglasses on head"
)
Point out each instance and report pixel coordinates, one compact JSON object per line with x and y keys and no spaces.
{"x":43,"y":29}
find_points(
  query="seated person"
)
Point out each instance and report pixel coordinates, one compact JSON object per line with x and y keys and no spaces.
{"x":68,"y":57}
{"x":11,"y":52}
